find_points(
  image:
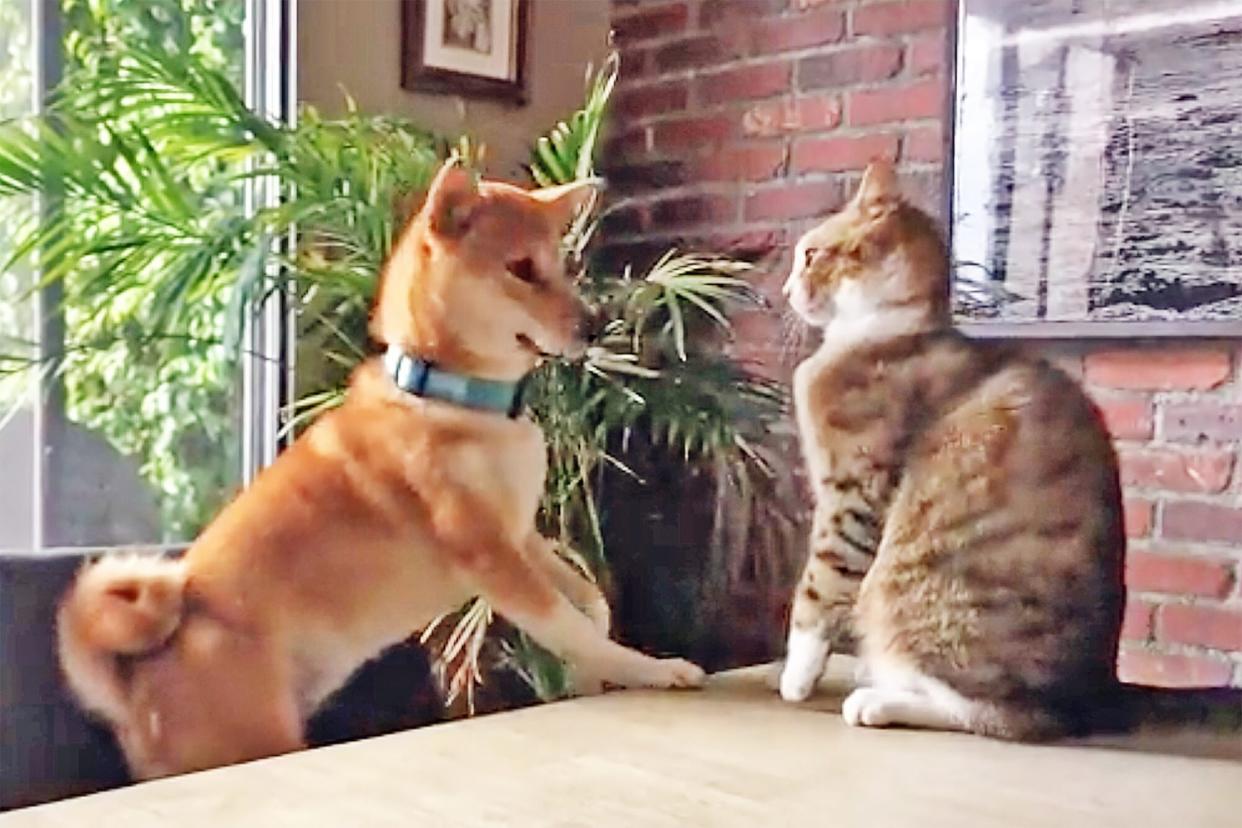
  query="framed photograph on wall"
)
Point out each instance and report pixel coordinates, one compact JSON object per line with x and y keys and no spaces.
{"x":1097,"y":168}
{"x":473,"y":48}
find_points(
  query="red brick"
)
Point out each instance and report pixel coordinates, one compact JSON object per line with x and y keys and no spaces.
{"x":692,"y":132}
{"x":802,"y":5}
{"x":1178,"y":574}
{"x":630,"y":177}
{"x":846,"y":67}
{"x":743,"y":162}
{"x":923,"y":144}
{"x":1167,"y":369}
{"x":628,"y":144}
{"x":1137,"y":623}
{"x":627,"y":221}
{"x":1197,"y":421}
{"x":925,"y":189}
{"x":793,"y":201}
{"x":692,"y":53}
{"x":1202,"y":522}
{"x":783,"y":34}
{"x":714,"y":12}
{"x":689,"y":211}
{"x":1127,"y":419}
{"x":901,"y":17}
{"x":926,"y":55}
{"x":1137,"y":517}
{"x":757,"y":327}
{"x":636,"y":102}
{"x":1176,"y":472}
{"x":1214,"y":627}
{"x":923,"y":99}
{"x":743,"y":244}
{"x":1169,"y":670}
{"x":839,"y":154}
{"x":634,"y":64}
{"x":747,"y":83}
{"x":649,"y":22}
{"x":811,"y":114}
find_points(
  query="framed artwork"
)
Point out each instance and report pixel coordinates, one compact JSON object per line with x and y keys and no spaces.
{"x":474,"y":48}
{"x":1097,"y":168}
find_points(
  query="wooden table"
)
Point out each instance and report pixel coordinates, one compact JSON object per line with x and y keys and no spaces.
{"x":732,"y":755}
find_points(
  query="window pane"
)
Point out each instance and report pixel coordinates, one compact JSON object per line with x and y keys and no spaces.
{"x":16,"y":318}
{"x":138,"y":439}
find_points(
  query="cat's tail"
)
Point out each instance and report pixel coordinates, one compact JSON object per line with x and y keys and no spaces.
{"x":1215,"y":709}
{"x":126,"y":605}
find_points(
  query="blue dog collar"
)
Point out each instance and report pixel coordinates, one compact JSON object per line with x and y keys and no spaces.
{"x":422,"y":379}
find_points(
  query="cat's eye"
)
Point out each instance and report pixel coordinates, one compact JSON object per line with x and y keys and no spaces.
{"x":810,"y":256}
{"x":523,"y":270}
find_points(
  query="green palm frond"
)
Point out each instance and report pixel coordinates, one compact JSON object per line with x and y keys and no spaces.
{"x":567,"y":152}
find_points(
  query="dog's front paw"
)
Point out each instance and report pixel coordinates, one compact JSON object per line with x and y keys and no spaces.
{"x":601,"y":616}
{"x":676,"y":672}
{"x":585,"y":683}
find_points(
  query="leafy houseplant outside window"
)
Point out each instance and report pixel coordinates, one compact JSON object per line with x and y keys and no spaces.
{"x":152,"y":146}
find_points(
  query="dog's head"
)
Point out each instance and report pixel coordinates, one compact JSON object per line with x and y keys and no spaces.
{"x":477,"y":281}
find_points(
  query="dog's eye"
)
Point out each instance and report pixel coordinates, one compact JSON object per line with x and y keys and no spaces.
{"x":524,"y":271}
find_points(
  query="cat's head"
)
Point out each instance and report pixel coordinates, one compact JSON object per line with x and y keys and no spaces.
{"x":876,"y":252}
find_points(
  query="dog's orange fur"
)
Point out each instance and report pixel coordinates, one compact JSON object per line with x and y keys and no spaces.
{"x":386,"y":513}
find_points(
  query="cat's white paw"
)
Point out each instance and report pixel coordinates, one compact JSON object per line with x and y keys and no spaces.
{"x":805,"y":657}
{"x":866,"y":707}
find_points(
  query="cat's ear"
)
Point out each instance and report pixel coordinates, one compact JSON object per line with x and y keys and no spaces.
{"x":451,"y":200}
{"x":878,"y":193}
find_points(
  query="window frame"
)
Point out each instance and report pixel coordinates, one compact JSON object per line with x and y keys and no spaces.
{"x":267,"y":360}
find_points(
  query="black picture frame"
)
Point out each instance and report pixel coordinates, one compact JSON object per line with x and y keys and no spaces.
{"x":419,"y":72}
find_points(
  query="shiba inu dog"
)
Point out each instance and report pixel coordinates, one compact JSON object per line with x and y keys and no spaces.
{"x":416,"y":494}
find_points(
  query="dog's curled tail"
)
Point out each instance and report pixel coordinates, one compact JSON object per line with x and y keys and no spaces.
{"x":122,"y":605}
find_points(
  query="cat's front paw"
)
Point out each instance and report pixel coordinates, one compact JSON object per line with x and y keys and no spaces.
{"x":586,"y":683}
{"x":795,"y":685}
{"x":805,"y":658}
{"x":866,"y":707}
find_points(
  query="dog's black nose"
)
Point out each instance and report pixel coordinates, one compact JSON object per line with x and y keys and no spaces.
{"x":591,"y":324}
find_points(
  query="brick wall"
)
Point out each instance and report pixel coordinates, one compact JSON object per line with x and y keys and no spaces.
{"x":740,"y":121}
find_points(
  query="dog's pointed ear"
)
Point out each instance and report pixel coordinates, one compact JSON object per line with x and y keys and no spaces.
{"x":563,"y":201}
{"x":878,"y":192}
{"x":451,"y":200}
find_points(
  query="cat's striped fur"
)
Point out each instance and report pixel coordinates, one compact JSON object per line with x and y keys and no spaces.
{"x":968,"y":522}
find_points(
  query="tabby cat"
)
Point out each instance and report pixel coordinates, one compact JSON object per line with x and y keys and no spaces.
{"x":968,"y":525}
